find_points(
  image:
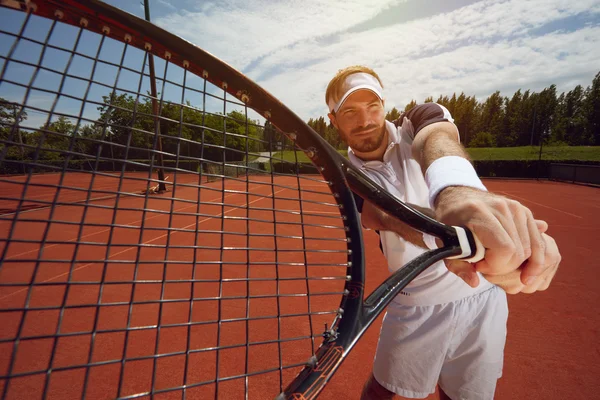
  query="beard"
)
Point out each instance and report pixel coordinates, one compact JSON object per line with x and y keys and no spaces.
{"x":365,"y":144}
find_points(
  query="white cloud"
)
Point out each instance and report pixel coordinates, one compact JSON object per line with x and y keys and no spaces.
{"x":167,"y":4}
{"x":293,"y":48}
{"x":239,"y":31}
{"x":509,"y":65}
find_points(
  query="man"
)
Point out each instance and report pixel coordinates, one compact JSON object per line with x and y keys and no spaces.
{"x":448,"y":327}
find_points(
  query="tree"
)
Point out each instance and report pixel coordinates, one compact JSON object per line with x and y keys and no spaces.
{"x":559,"y":123}
{"x":11,"y":116}
{"x":53,"y":139}
{"x":570,"y":119}
{"x":512,"y":120}
{"x":184,"y":130}
{"x":327,"y":132}
{"x":120,"y":122}
{"x":483,"y":139}
{"x":592,"y":111}
{"x":445,"y":101}
{"x":465,"y":116}
{"x":410,"y":106}
{"x":545,"y":106}
{"x":492,"y":116}
{"x":523,"y":123}
{"x":392,"y":115}
{"x":9,"y":113}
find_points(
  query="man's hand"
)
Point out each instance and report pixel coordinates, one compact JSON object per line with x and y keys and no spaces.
{"x":512,"y":283}
{"x":519,"y":256}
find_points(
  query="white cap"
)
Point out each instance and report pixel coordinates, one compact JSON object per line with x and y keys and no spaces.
{"x":354,"y":82}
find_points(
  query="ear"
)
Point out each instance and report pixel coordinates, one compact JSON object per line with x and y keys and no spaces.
{"x":332,"y":119}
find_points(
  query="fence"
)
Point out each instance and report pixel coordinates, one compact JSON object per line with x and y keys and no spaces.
{"x":575,"y":173}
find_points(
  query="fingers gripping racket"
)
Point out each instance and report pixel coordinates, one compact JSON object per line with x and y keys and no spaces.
{"x":171,"y":241}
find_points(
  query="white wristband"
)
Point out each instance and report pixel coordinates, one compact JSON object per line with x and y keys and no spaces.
{"x":450,"y":171}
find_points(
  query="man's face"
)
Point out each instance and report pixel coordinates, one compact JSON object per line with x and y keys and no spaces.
{"x":361,"y":121}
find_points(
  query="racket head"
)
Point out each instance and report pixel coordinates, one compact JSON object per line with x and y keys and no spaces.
{"x":87,"y":168}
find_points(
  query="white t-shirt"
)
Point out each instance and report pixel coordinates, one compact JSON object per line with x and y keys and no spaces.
{"x":401,"y":175}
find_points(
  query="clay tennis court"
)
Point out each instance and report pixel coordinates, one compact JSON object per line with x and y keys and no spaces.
{"x":138,"y":305}
{"x":82,"y":311}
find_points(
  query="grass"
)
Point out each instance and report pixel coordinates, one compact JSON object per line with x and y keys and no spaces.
{"x":288,"y":155}
{"x":564,"y":153}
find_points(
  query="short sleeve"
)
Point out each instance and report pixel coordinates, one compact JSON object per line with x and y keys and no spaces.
{"x":424,"y":115}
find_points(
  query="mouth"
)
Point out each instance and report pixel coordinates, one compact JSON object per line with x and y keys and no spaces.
{"x":365,"y":133}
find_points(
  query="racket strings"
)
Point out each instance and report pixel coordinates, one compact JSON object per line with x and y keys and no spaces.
{"x":210,"y":281}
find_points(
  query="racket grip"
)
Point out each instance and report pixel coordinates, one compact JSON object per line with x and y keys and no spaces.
{"x":472,"y":249}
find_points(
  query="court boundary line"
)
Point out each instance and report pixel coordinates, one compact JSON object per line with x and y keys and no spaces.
{"x":539,"y":204}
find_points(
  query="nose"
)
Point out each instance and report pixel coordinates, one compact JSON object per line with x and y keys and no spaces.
{"x":362,"y":118}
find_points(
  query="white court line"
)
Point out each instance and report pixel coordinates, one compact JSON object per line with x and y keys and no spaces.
{"x":70,"y":188}
{"x":542,"y":205}
{"x":305,"y":212}
{"x":133,"y":247}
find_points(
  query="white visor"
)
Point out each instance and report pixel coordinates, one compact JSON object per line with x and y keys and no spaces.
{"x":354,"y":82}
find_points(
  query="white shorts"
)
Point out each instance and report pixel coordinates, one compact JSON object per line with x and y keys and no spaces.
{"x":459,"y":345}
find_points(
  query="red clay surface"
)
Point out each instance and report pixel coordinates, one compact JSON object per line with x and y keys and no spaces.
{"x":136,"y":305}
{"x":552,"y":345}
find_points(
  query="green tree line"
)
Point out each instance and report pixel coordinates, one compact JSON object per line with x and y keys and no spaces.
{"x":525,"y":118}
{"x":125,"y":130}
{"x":125,"y":127}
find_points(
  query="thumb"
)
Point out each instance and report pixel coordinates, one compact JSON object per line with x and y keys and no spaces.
{"x":464,"y":270}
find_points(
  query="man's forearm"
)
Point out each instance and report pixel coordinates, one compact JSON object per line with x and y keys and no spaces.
{"x":374,"y":218}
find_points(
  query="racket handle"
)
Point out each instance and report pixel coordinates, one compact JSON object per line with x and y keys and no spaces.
{"x":472,"y":249}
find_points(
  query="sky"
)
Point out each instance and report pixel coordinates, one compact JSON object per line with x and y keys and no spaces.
{"x":419,"y":48}
{"x":292,"y":48}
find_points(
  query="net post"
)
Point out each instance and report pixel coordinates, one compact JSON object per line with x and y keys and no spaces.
{"x":161,"y":173}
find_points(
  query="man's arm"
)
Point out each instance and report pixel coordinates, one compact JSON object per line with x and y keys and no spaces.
{"x":376,"y":219}
{"x":428,"y":147}
{"x":505,"y":227}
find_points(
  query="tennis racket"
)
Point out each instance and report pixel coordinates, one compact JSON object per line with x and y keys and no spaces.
{"x":160,"y":234}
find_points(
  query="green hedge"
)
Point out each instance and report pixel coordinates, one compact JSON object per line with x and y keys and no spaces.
{"x":520,"y":168}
